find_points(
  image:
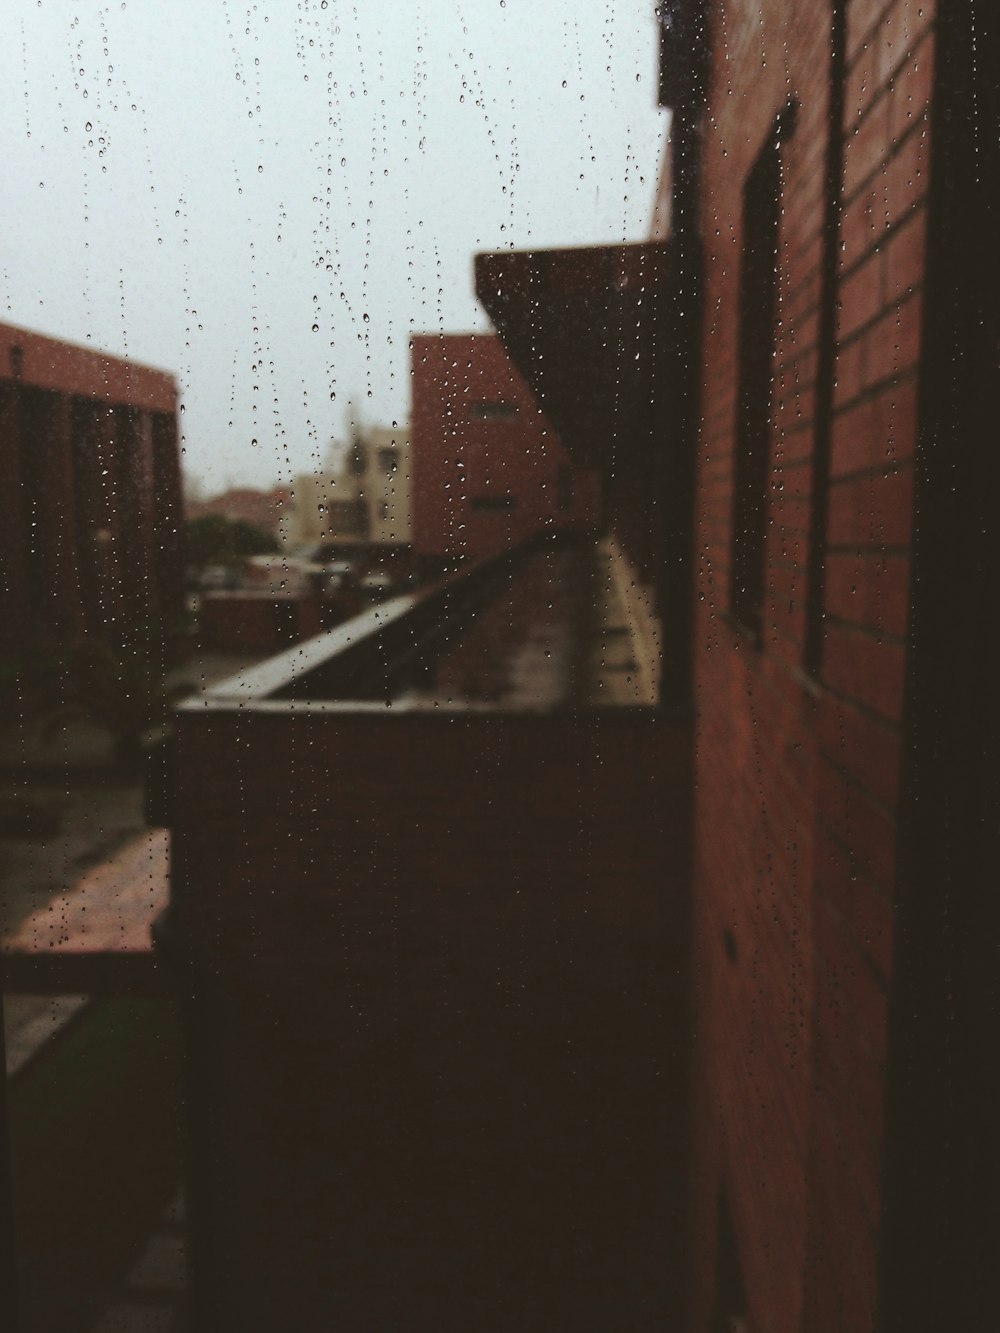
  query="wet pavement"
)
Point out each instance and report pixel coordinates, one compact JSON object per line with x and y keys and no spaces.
{"x":64,"y":828}
{"x":82,"y":874}
{"x":111,"y":908}
{"x":80,"y":870}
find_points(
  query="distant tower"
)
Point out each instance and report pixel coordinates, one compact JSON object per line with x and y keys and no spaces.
{"x":336,"y":455}
{"x":355,"y":429}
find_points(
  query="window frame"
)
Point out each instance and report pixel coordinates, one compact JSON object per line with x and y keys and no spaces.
{"x":757,"y":335}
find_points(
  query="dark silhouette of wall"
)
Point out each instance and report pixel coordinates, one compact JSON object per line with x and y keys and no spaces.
{"x":90,"y":501}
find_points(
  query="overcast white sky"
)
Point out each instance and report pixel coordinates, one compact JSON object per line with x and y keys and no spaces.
{"x":266,"y":200}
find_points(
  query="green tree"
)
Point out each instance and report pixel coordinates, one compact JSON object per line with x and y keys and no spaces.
{"x":216,"y":540}
{"x":248,"y":539}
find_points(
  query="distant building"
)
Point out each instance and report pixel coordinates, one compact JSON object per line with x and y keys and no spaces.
{"x":264,"y":509}
{"x":386,"y":485}
{"x":324,"y":508}
{"x":488,"y":469}
{"x":90,"y":494}
{"x":365,"y":500}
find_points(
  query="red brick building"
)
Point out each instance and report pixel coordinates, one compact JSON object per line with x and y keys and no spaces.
{"x":818,"y":193}
{"x":90,"y":502}
{"x":487,"y":467}
{"x":828,"y":334}
{"x":825,"y":167}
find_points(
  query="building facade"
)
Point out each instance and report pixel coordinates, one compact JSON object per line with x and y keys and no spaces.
{"x":827,"y":337}
{"x":363,"y":500}
{"x":823,"y":168}
{"x":386,"y":485}
{"x":90,"y":500}
{"x":324,"y":509}
{"x":488,"y":469}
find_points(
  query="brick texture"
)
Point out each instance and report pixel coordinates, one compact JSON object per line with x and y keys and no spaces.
{"x":798,"y":774}
{"x":488,"y":468}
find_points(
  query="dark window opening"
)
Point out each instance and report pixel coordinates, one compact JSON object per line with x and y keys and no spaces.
{"x":730,"y":1312}
{"x":388,"y":460}
{"x":826,"y":347}
{"x":492,"y":410}
{"x":494,"y":503}
{"x":758,"y":312}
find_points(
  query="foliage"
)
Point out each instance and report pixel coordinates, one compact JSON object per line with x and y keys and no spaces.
{"x":216,"y":540}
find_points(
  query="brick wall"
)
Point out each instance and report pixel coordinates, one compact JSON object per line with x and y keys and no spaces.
{"x":487,"y":468}
{"x":797,"y":768}
{"x":90,"y":514}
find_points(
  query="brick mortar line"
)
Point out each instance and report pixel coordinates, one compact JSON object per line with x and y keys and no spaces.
{"x":873,"y":391}
{"x":919,"y":126}
{"x":870,"y":884}
{"x":868,"y":40}
{"x":879,"y":470}
{"x":879,"y":636}
{"x":892,"y":307}
{"x":867,"y":551}
{"x":855,"y":783}
{"x":814,"y":685}
{"x":839,"y":695}
{"x":882,"y":240}
{"x":865,"y":38}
